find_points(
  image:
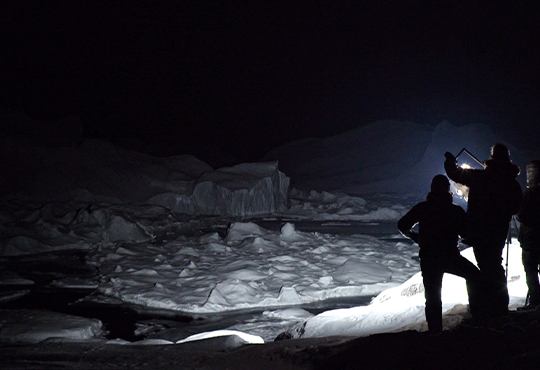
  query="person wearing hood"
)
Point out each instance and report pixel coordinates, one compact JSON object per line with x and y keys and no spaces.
{"x":494,"y":197}
{"x":440,"y":223}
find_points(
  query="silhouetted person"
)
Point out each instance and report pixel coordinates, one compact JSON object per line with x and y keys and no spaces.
{"x":494,"y":196}
{"x":529,"y":233}
{"x":440,"y":222}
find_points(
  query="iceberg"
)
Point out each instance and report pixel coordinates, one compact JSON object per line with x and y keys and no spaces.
{"x":246,"y":189}
{"x":98,"y":172}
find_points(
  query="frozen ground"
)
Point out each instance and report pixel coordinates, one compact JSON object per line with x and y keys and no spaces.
{"x":173,"y":235}
{"x":276,"y":274}
{"x":201,"y":267}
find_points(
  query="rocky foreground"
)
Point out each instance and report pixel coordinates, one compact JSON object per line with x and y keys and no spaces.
{"x":511,"y":343}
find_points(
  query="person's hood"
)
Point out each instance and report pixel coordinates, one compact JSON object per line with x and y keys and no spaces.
{"x":505,"y":168}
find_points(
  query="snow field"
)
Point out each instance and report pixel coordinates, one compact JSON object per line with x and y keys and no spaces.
{"x":120,"y":205}
{"x":249,"y":268}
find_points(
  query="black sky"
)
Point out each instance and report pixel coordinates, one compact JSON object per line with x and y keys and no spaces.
{"x":250,"y":77}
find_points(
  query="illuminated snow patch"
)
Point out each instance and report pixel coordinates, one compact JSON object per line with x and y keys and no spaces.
{"x":248,"y":338}
{"x":402,"y":307}
{"x":252,"y":267}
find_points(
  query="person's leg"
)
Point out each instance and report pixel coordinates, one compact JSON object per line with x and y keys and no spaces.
{"x":489,"y":259}
{"x":530,"y":264}
{"x":537,"y":259}
{"x":461,"y":266}
{"x":432,"y":276}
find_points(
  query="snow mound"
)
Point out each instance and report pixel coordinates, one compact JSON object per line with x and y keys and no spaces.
{"x":233,"y":338}
{"x":31,"y":326}
{"x":402,"y":307}
{"x":238,"y":231}
{"x":289,"y":234}
{"x":12,"y":295}
{"x":61,"y":226}
{"x":362,"y":272}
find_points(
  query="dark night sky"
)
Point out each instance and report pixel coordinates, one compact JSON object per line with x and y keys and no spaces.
{"x":248,"y":78}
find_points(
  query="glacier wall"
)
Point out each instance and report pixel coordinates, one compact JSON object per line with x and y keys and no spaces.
{"x":98,"y":172}
{"x":244,"y":190}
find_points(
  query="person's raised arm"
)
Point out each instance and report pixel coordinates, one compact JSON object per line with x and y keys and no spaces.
{"x":454,"y":172}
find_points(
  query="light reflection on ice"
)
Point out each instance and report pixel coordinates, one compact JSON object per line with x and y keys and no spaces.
{"x":251,"y":267}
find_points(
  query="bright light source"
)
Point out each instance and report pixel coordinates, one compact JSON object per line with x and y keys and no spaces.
{"x":462,"y":191}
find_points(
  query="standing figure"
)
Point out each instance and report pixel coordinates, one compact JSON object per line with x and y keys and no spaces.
{"x":440,"y":222}
{"x":529,"y":233}
{"x":494,"y":196}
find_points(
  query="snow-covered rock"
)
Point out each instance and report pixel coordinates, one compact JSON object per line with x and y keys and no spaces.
{"x":61,"y":226}
{"x":32,"y":326}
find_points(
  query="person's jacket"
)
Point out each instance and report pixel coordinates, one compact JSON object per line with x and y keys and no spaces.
{"x":529,"y":219}
{"x":440,"y":222}
{"x":494,"y":195}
